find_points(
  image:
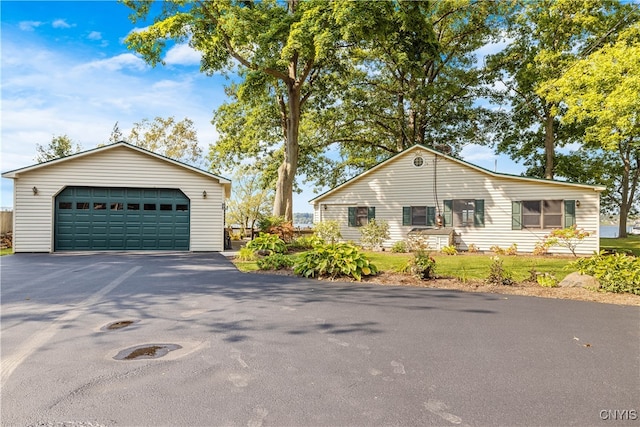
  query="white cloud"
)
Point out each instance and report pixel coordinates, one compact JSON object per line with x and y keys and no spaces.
{"x":182,"y":54}
{"x":60,"y":23}
{"x":117,"y":63}
{"x":29,"y":25}
{"x":95,"y":35}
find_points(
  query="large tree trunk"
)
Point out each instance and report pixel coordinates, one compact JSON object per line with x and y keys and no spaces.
{"x":629,"y":184}
{"x":549,"y":144}
{"x":283,"y":202}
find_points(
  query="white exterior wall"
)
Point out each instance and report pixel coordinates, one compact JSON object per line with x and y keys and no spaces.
{"x":399,"y":183}
{"x":116,"y":167}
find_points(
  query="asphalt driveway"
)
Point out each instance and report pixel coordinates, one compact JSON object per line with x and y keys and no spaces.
{"x":273,"y":350}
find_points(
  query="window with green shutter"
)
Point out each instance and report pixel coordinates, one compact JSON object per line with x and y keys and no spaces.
{"x":419,"y":215}
{"x":478,"y":215}
{"x":516,"y":215}
{"x":360,"y":215}
{"x":569,"y":213}
{"x":448,"y":213}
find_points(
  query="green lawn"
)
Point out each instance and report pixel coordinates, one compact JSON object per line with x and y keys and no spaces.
{"x":631,"y":243}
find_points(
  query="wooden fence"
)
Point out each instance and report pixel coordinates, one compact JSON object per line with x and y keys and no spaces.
{"x":6,"y":222}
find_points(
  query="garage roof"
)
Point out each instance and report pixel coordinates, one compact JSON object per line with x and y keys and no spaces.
{"x":223,"y":181}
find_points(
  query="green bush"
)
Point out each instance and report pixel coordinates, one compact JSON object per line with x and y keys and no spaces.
{"x":340,"y":259}
{"x":498,"y":275}
{"x":569,"y":238}
{"x":268,"y":242}
{"x":275,"y":262}
{"x":449,"y":250}
{"x":374,"y":233}
{"x":547,"y":280}
{"x":422,"y":265}
{"x":306,"y":242}
{"x":328,"y":231}
{"x":246,"y":254}
{"x":400,"y":247}
{"x":277,"y":225}
{"x":616,"y":273}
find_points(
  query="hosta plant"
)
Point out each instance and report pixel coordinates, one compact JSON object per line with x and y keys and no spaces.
{"x":340,"y":259}
{"x":268,"y":242}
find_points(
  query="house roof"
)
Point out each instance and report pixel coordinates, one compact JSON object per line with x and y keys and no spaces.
{"x":462,"y":162}
{"x":14,"y":174}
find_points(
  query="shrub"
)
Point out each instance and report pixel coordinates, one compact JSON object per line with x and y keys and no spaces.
{"x":275,"y":262}
{"x":399,"y":247}
{"x":449,"y":250}
{"x":569,"y":238}
{"x":512,"y":250}
{"x":374,"y":233}
{"x":236,"y":235}
{"x":616,"y":272}
{"x":541,"y":248}
{"x":497,"y":250}
{"x":340,"y":259}
{"x":306,"y":242}
{"x":423,"y":266}
{"x":547,"y":280}
{"x":472,"y":248}
{"x":267,"y":242}
{"x":277,"y":225}
{"x":246,"y":254}
{"x":328,"y":231}
{"x":416,"y":243}
{"x":497,"y":273}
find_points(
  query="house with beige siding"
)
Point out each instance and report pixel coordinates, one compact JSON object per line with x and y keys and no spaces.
{"x":424,"y":192}
{"x":117,"y":197}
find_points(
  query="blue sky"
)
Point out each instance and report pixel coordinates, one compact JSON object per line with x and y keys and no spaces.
{"x":66,"y":70}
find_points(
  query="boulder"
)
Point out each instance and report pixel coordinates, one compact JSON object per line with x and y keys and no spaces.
{"x":578,"y":280}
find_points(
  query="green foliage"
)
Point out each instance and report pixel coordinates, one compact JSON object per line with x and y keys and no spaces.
{"x":547,"y":280}
{"x":176,"y":140}
{"x":498,"y":275}
{"x":267,"y":242}
{"x":306,"y":242}
{"x":249,"y":199}
{"x":328,"y":231}
{"x":60,"y":146}
{"x":422,"y":265}
{"x":374,"y":233}
{"x":449,"y":250}
{"x":616,"y":273}
{"x":246,"y":254}
{"x":334,"y":260}
{"x":275,"y":262}
{"x":569,"y":238}
{"x":400,"y":247}
{"x":417,"y":242}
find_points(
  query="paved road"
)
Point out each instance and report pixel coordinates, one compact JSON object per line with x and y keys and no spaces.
{"x":271,"y":350}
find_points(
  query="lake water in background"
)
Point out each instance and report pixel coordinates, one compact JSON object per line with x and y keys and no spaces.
{"x":611,"y":230}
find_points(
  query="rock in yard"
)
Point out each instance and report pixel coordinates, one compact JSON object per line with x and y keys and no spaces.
{"x":578,"y":280}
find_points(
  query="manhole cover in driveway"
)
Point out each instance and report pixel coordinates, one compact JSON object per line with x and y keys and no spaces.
{"x":118,"y":325}
{"x":146,"y":351}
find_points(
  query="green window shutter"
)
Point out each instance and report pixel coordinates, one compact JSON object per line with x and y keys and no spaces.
{"x":352,"y":217}
{"x":406,"y":215}
{"x":448,"y":213}
{"x":431,"y":215}
{"x":371,"y":213}
{"x":478,"y":216}
{"x":516,"y":215}
{"x":569,"y":213}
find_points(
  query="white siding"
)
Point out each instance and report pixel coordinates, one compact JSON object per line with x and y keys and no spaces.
{"x":399,"y":183}
{"x":116,"y":167}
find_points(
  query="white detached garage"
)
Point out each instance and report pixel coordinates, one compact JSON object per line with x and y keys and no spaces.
{"x":117,"y":197}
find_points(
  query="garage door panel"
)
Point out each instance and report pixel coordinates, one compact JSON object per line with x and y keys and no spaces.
{"x":121,"y":218}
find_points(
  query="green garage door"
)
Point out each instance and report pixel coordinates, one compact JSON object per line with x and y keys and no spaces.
{"x":92,"y":218}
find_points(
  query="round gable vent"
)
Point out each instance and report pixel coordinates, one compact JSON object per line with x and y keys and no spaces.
{"x":418,"y":162}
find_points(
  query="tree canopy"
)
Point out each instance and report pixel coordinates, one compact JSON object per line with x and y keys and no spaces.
{"x":166,"y":136}
{"x":60,"y":146}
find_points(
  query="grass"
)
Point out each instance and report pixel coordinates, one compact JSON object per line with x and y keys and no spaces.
{"x":476,"y":266}
{"x":630,"y":244}
{"x":8,"y":251}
